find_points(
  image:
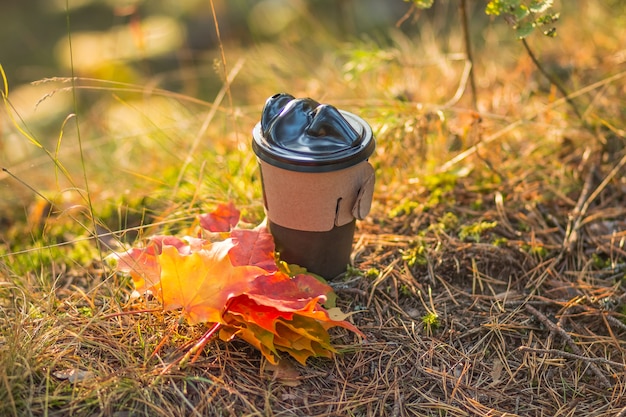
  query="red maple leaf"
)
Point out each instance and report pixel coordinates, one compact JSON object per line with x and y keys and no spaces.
{"x":202,"y":282}
{"x":236,"y":284}
{"x":253,"y":247}
{"x":280,"y":313}
{"x":222,"y":219}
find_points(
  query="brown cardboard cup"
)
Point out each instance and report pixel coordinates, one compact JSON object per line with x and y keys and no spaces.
{"x":312,"y":214}
{"x":316,"y":180}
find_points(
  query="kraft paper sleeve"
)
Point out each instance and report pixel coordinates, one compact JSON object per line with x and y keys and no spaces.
{"x":317,"y":201}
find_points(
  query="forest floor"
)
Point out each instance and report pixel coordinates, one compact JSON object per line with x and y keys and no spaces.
{"x":489,"y":277}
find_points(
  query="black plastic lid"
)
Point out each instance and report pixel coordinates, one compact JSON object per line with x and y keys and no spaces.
{"x":306,"y":136}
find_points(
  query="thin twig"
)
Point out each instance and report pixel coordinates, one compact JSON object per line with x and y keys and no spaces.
{"x":561,"y":332}
{"x":568,"y":355}
{"x":194,"y":352}
{"x":468,"y":52}
{"x":406,"y":16}
{"x":551,"y":78}
{"x":616,"y":322}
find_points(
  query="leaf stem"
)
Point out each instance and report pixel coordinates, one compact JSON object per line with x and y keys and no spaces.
{"x":197,"y":348}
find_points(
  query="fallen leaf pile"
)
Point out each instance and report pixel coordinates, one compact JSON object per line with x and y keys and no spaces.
{"x":230,"y":277}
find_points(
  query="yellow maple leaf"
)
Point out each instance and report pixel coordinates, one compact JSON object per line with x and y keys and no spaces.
{"x":202,"y":282}
{"x":236,"y":284}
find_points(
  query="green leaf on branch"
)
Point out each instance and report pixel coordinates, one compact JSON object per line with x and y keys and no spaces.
{"x":524,"y":16}
{"x":524,"y":29}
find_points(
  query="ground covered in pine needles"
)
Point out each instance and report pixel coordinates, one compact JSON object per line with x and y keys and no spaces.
{"x":489,"y":278}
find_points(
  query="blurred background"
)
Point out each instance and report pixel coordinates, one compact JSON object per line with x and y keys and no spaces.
{"x":149,"y":117}
{"x":126,"y":38}
{"x":174,"y":41}
{"x":129,"y":55}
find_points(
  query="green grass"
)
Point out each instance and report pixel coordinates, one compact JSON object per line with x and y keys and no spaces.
{"x":510,"y":219}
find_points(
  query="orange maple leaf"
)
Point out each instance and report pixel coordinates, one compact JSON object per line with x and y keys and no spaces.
{"x":142,"y":263}
{"x":236,"y":284}
{"x":280,"y":313}
{"x":202,"y":282}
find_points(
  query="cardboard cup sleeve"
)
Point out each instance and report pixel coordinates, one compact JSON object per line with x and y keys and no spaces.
{"x":317,"y":201}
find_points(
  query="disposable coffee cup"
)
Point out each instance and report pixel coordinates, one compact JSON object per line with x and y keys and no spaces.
{"x":317,"y":180}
